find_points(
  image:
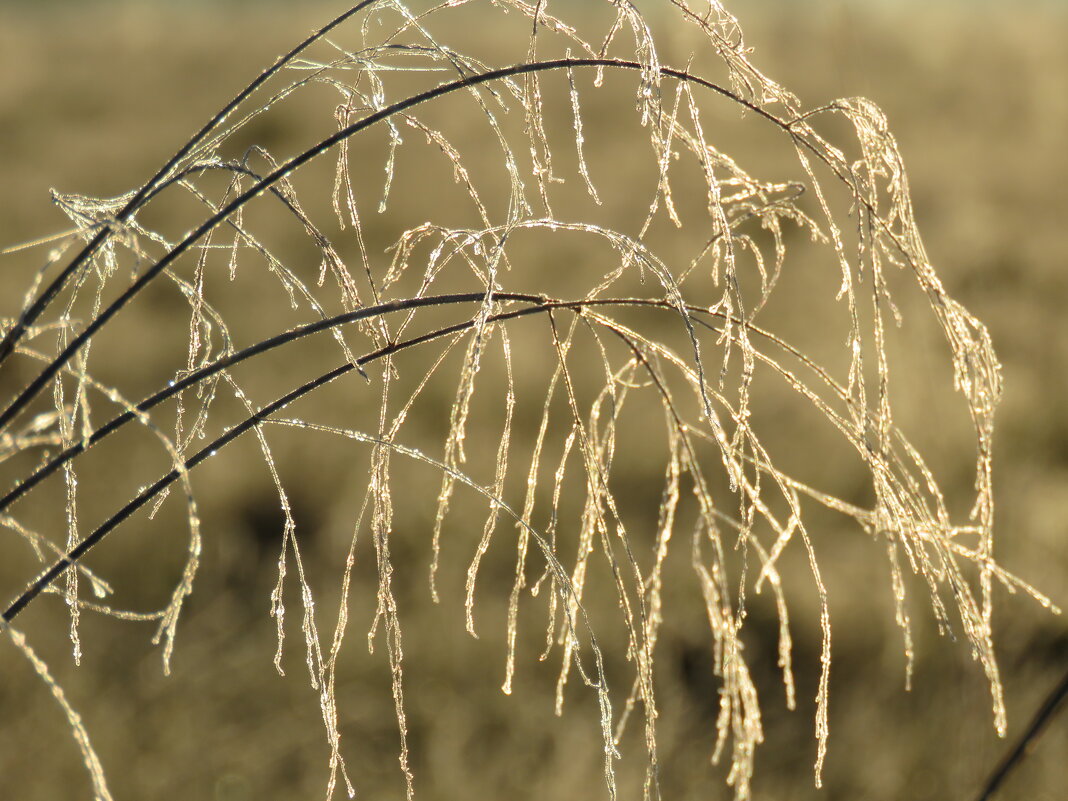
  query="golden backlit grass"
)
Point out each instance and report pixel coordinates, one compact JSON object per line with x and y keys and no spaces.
{"x":224,"y":724}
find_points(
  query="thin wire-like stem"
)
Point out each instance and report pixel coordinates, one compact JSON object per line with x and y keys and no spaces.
{"x":82,"y":548}
{"x":541,"y":305}
{"x":235,"y":358}
{"x":34,"y":310}
{"x":34,"y":387}
{"x":1026,"y":743}
{"x":75,"y":554}
{"x":329,"y":323}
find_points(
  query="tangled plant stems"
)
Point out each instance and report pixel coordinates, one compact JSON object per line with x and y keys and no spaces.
{"x":667,"y":372}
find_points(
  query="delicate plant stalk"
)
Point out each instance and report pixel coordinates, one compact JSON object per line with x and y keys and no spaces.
{"x":1027,"y":741}
{"x":30,"y":314}
{"x":744,"y":518}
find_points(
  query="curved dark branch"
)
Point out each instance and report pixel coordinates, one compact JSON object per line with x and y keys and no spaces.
{"x":82,"y":548}
{"x":235,"y":358}
{"x":75,"y":554}
{"x":76,"y":344}
{"x":328,"y":323}
{"x":1025,"y":745}
{"x":33,"y":311}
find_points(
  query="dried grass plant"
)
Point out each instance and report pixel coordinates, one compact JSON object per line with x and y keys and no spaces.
{"x":598,"y":296}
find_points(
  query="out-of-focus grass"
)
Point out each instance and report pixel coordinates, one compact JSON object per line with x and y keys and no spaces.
{"x":94,"y":96}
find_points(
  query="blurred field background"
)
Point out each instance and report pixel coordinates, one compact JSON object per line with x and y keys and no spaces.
{"x":94,"y":95}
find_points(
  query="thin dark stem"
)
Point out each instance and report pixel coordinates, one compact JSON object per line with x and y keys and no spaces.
{"x":53,"y":368}
{"x":82,"y":548}
{"x":147,"y":494}
{"x":235,"y":358}
{"x":24,"y":486}
{"x":33,"y":480}
{"x":33,"y":311}
{"x":74,"y":555}
{"x":1026,"y":743}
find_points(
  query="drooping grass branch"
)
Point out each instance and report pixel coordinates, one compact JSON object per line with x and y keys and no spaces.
{"x":32,"y":312}
{"x":194,"y":378}
{"x":268,"y":181}
{"x":539,"y":305}
{"x":34,"y":387}
{"x":191,"y":380}
{"x":597,"y":361}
